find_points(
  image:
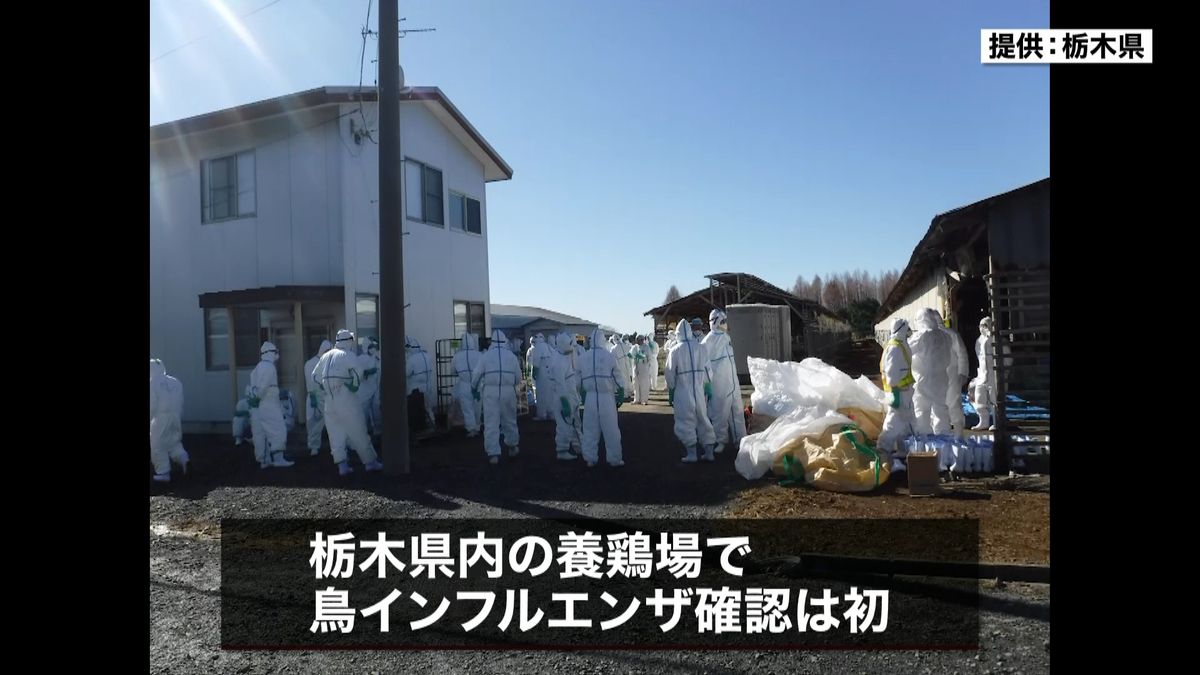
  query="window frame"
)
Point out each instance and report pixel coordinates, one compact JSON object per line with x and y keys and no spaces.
{"x":466,"y":198}
{"x":425,"y":194}
{"x":233,"y":186}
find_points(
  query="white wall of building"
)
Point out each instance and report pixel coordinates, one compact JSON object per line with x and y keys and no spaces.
{"x":931,"y":293}
{"x":441,"y":264}
{"x":295,"y":237}
{"x":316,"y":218}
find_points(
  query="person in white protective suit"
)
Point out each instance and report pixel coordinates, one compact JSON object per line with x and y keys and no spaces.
{"x":931,"y":357}
{"x":266,"y":413}
{"x":641,"y":372}
{"x":652,"y":346}
{"x":314,"y":402}
{"x":564,"y":379}
{"x":337,"y":375}
{"x":496,"y":381}
{"x":166,"y":427}
{"x":419,"y":374}
{"x":618,"y":351}
{"x":697,"y":329}
{"x":725,"y":410}
{"x":958,"y":374}
{"x":602,"y":390}
{"x":537,"y":359}
{"x":368,"y":391}
{"x":895,"y":371}
{"x":464,"y":364}
{"x":984,"y":383}
{"x":689,"y":388}
{"x":670,"y":344}
{"x":241,"y":418}
{"x":630,"y":365}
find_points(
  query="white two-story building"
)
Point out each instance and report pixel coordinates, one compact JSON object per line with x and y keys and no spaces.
{"x":264,"y":225}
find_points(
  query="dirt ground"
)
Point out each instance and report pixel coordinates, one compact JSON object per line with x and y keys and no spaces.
{"x":451,"y":479}
{"x":1014,"y":516}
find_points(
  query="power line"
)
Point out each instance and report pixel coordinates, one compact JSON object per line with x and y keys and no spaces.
{"x":366,"y":30}
{"x":208,"y":35}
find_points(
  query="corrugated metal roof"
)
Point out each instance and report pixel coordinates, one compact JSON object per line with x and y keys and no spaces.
{"x":535,"y":313}
{"x":930,"y":249}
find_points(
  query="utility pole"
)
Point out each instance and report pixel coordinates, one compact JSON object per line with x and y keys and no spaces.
{"x":392,"y":385}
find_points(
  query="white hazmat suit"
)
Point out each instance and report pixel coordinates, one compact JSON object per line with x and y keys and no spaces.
{"x":725,"y":410}
{"x":496,"y":381}
{"x":618,"y":351}
{"x":958,"y":373}
{"x":368,"y":391}
{"x":642,"y":373}
{"x":985,"y":378}
{"x":895,"y":370}
{"x":689,"y":386}
{"x":564,"y":378}
{"x":166,"y":428}
{"x":464,"y":364}
{"x":337,"y":373}
{"x":601,"y":383}
{"x":931,"y":358}
{"x":653,"y":345}
{"x":537,"y":359}
{"x":241,"y":418}
{"x":419,"y":373}
{"x":266,"y":413}
{"x":314,"y":403}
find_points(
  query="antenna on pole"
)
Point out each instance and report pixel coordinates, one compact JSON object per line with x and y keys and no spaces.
{"x":406,"y":31}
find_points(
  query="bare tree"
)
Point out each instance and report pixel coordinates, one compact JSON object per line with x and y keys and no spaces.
{"x":816,"y":290}
{"x":800,"y":288}
{"x":835,"y":297}
{"x":672,"y":295}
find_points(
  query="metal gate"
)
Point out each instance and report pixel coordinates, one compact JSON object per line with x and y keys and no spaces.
{"x":1021,"y":318}
{"x":444,"y":351}
{"x":446,"y":377}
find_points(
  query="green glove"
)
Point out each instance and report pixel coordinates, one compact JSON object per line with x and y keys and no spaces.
{"x":895,"y":398}
{"x":312,"y":399}
{"x":708,"y":391}
{"x":620,"y":395}
{"x":566,"y":407}
{"x":253,"y":401}
{"x":582,"y":395}
{"x":619,"y":399}
{"x":475,"y":394}
{"x":369,"y":372}
{"x":535,"y":372}
{"x":671,"y":396}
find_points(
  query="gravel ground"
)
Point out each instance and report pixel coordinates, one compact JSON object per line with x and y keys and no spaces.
{"x":450,"y":479}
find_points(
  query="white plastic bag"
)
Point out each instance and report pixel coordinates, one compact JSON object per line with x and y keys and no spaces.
{"x":756,"y":453}
{"x":804,"y":399}
{"x":782,"y":386}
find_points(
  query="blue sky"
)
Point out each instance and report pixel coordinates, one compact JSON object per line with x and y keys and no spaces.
{"x":656,"y":141}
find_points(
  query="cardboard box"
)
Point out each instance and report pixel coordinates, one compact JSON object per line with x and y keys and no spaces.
{"x":923,"y":478}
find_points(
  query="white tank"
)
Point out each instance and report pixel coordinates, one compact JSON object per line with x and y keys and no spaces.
{"x":762,"y":331}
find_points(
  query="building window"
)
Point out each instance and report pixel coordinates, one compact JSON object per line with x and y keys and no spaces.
{"x":227,"y":187}
{"x":366,"y":315}
{"x":468,"y":318}
{"x":465,"y":214}
{"x":423,"y":193}
{"x":217,"y":331}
